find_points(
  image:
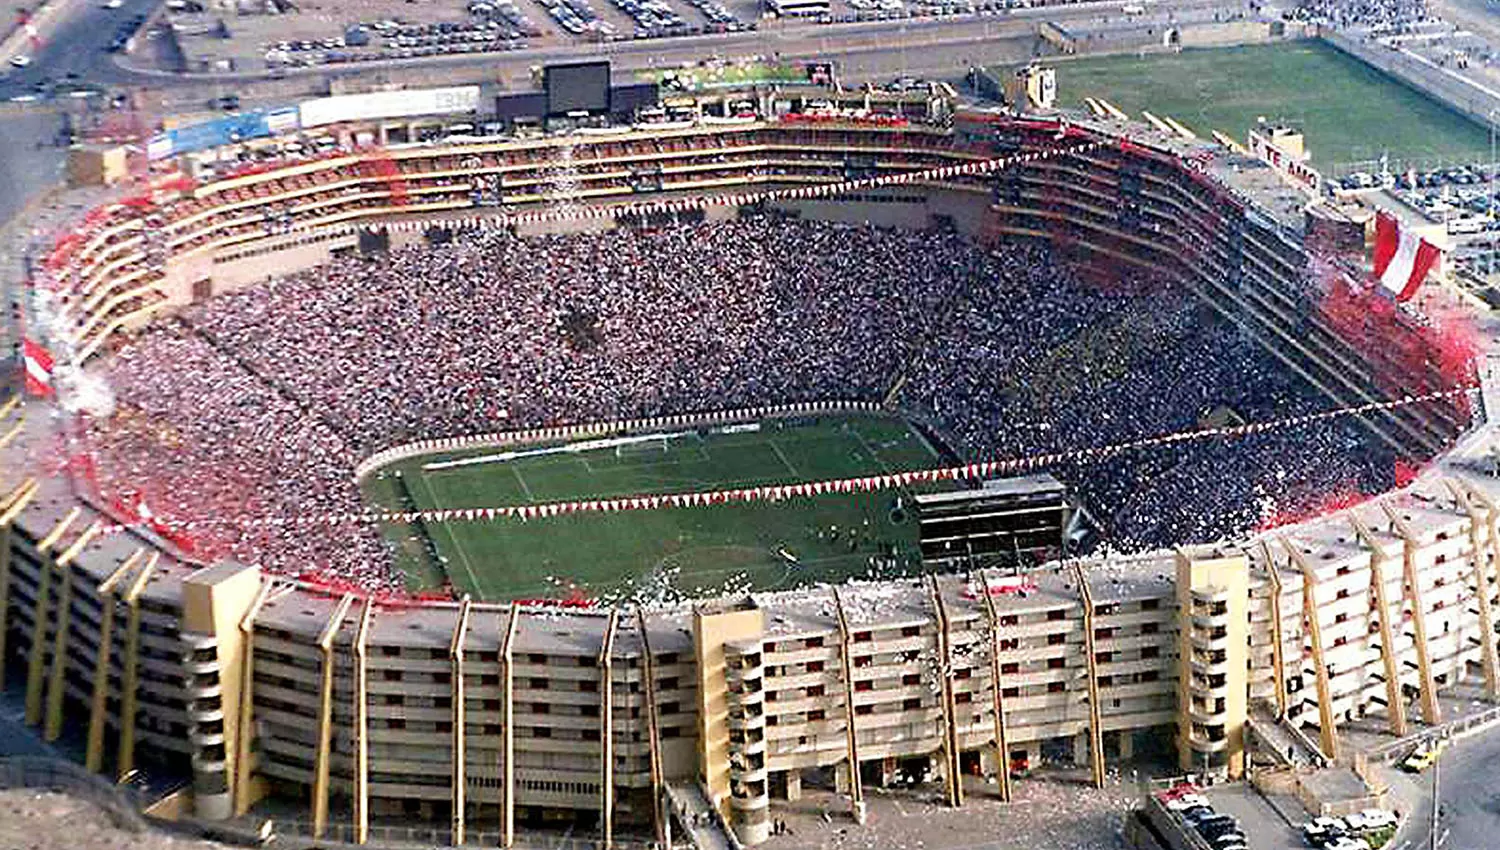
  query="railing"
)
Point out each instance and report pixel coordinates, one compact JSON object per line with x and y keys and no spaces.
{"x":291,"y":831}
{"x":406,"y":451}
{"x":1456,"y":729}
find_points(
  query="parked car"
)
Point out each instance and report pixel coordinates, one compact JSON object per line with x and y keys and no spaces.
{"x":1348,"y":843}
{"x":1216,"y":825}
{"x":1423,"y":757}
{"x":1370,"y":820}
{"x":1231,"y":838}
{"x":1322,"y":831}
{"x":1187,"y":801}
{"x":1197,"y":813}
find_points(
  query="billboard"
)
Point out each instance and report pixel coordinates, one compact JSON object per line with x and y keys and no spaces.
{"x":225,"y":130}
{"x":524,"y":105}
{"x":579,"y":85}
{"x":389,"y":104}
{"x":629,"y":98}
{"x":1293,"y":168}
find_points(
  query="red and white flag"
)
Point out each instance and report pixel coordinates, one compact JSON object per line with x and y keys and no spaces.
{"x":38,"y":365}
{"x":1402,"y":258}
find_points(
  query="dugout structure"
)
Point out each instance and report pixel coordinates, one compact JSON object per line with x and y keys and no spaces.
{"x":474,"y":719}
{"x":1011,"y":522}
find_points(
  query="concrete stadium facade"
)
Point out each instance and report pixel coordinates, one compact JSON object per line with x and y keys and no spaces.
{"x":490,"y":717}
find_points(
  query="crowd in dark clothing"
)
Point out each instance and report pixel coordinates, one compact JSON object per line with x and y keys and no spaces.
{"x":1384,"y":15}
{"x":260,"y":402}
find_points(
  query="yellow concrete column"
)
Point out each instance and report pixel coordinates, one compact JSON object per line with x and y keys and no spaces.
{"x":1002,"y":749}
{"x":851,"y":729}
{"x":653,"y":733}
{"x":325,"y":717}
{"x":1278,"y":649}
{"x":57,"y":678}
{"x":1327,"y":721}
{"x":130,"y":687}
{"x":1431,"y":712}
{"x":1096,"y":720}
{"x":94,"y":751}
{"x":36,"y":668}
{"x":607,"y":729}
{"x":1395,"y":704}
{"x":362,"y":725}
{"x":460,"y":796}
{"x":245,"y":794}
{"x":954,"y":781}
{"x":508,"y":730}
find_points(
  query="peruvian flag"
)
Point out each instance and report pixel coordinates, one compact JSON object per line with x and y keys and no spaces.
{"x":1402,"y":258}
{"x":38,"y":368}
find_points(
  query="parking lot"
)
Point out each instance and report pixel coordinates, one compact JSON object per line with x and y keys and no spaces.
{"x":320,"y":33}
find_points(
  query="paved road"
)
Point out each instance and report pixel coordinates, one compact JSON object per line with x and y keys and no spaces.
{"x":1469,"y":789}
{"x":78,"y":46}
{"x":31,"y":160}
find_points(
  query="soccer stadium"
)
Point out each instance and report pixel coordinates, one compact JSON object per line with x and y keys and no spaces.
{"x":599,"y":478}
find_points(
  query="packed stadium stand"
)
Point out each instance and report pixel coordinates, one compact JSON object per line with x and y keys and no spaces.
{"x":492,"y":717}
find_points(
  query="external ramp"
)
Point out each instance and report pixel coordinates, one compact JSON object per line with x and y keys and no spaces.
{"x":705,"y":830}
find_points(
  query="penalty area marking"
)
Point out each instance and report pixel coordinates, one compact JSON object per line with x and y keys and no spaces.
{"x":453,"y":538}
{"x":784,"y":459}
{"x":580,"y":447}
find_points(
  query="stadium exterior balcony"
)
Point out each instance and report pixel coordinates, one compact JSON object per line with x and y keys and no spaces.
{"x":201,"y":738}
{"x":1209,"y":664}
{"x":1207,"y":618}
{"x":1204,"y":686}
{"x":1211,"y":639}
{"x":203,"y":687}
{"x":1203,"y":743}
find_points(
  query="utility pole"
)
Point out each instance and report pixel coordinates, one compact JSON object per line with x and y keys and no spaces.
{"x":1437,"y":801}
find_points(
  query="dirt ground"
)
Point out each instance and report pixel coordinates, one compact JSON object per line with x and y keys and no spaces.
{"x":1060,"y":812}
{"x":33,"y":820}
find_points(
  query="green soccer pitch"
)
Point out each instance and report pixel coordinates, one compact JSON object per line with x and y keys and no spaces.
{"x":664,"y":552}
{"x":1349,"y":112}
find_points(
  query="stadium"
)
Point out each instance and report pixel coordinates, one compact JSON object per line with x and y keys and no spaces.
{"x":669,"y":548}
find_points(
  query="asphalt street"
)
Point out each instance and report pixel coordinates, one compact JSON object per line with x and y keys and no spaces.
{"x":78,"y":45}
{"x":31,"y":160}
{"x":1469,"y":795}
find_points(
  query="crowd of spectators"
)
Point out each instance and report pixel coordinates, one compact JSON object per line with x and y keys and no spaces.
{"x":1385,"y":15}
{"x":259,"y":402}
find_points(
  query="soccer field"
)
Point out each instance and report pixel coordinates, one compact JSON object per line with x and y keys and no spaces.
{"x":647,"y":552}
{"x":1349,"y":112}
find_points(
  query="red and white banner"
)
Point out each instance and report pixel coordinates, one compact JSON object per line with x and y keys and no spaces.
{"x":1402,"y":258}
{"x":38,"y":364}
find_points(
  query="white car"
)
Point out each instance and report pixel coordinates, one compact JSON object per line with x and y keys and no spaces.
{"x":112,"y":4}
{"x":1370,"y":819}
{"x":1187,"y":801}
{"x":1319,"y":829}
{"x":1348,"y":844}
{"x":20,"y":61}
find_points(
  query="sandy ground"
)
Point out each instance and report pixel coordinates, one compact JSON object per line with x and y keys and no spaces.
{"x":1059,"y":813}
{"x":32,"y":820}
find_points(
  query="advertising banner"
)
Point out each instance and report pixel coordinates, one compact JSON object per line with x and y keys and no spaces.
{"x":389,"y":104}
